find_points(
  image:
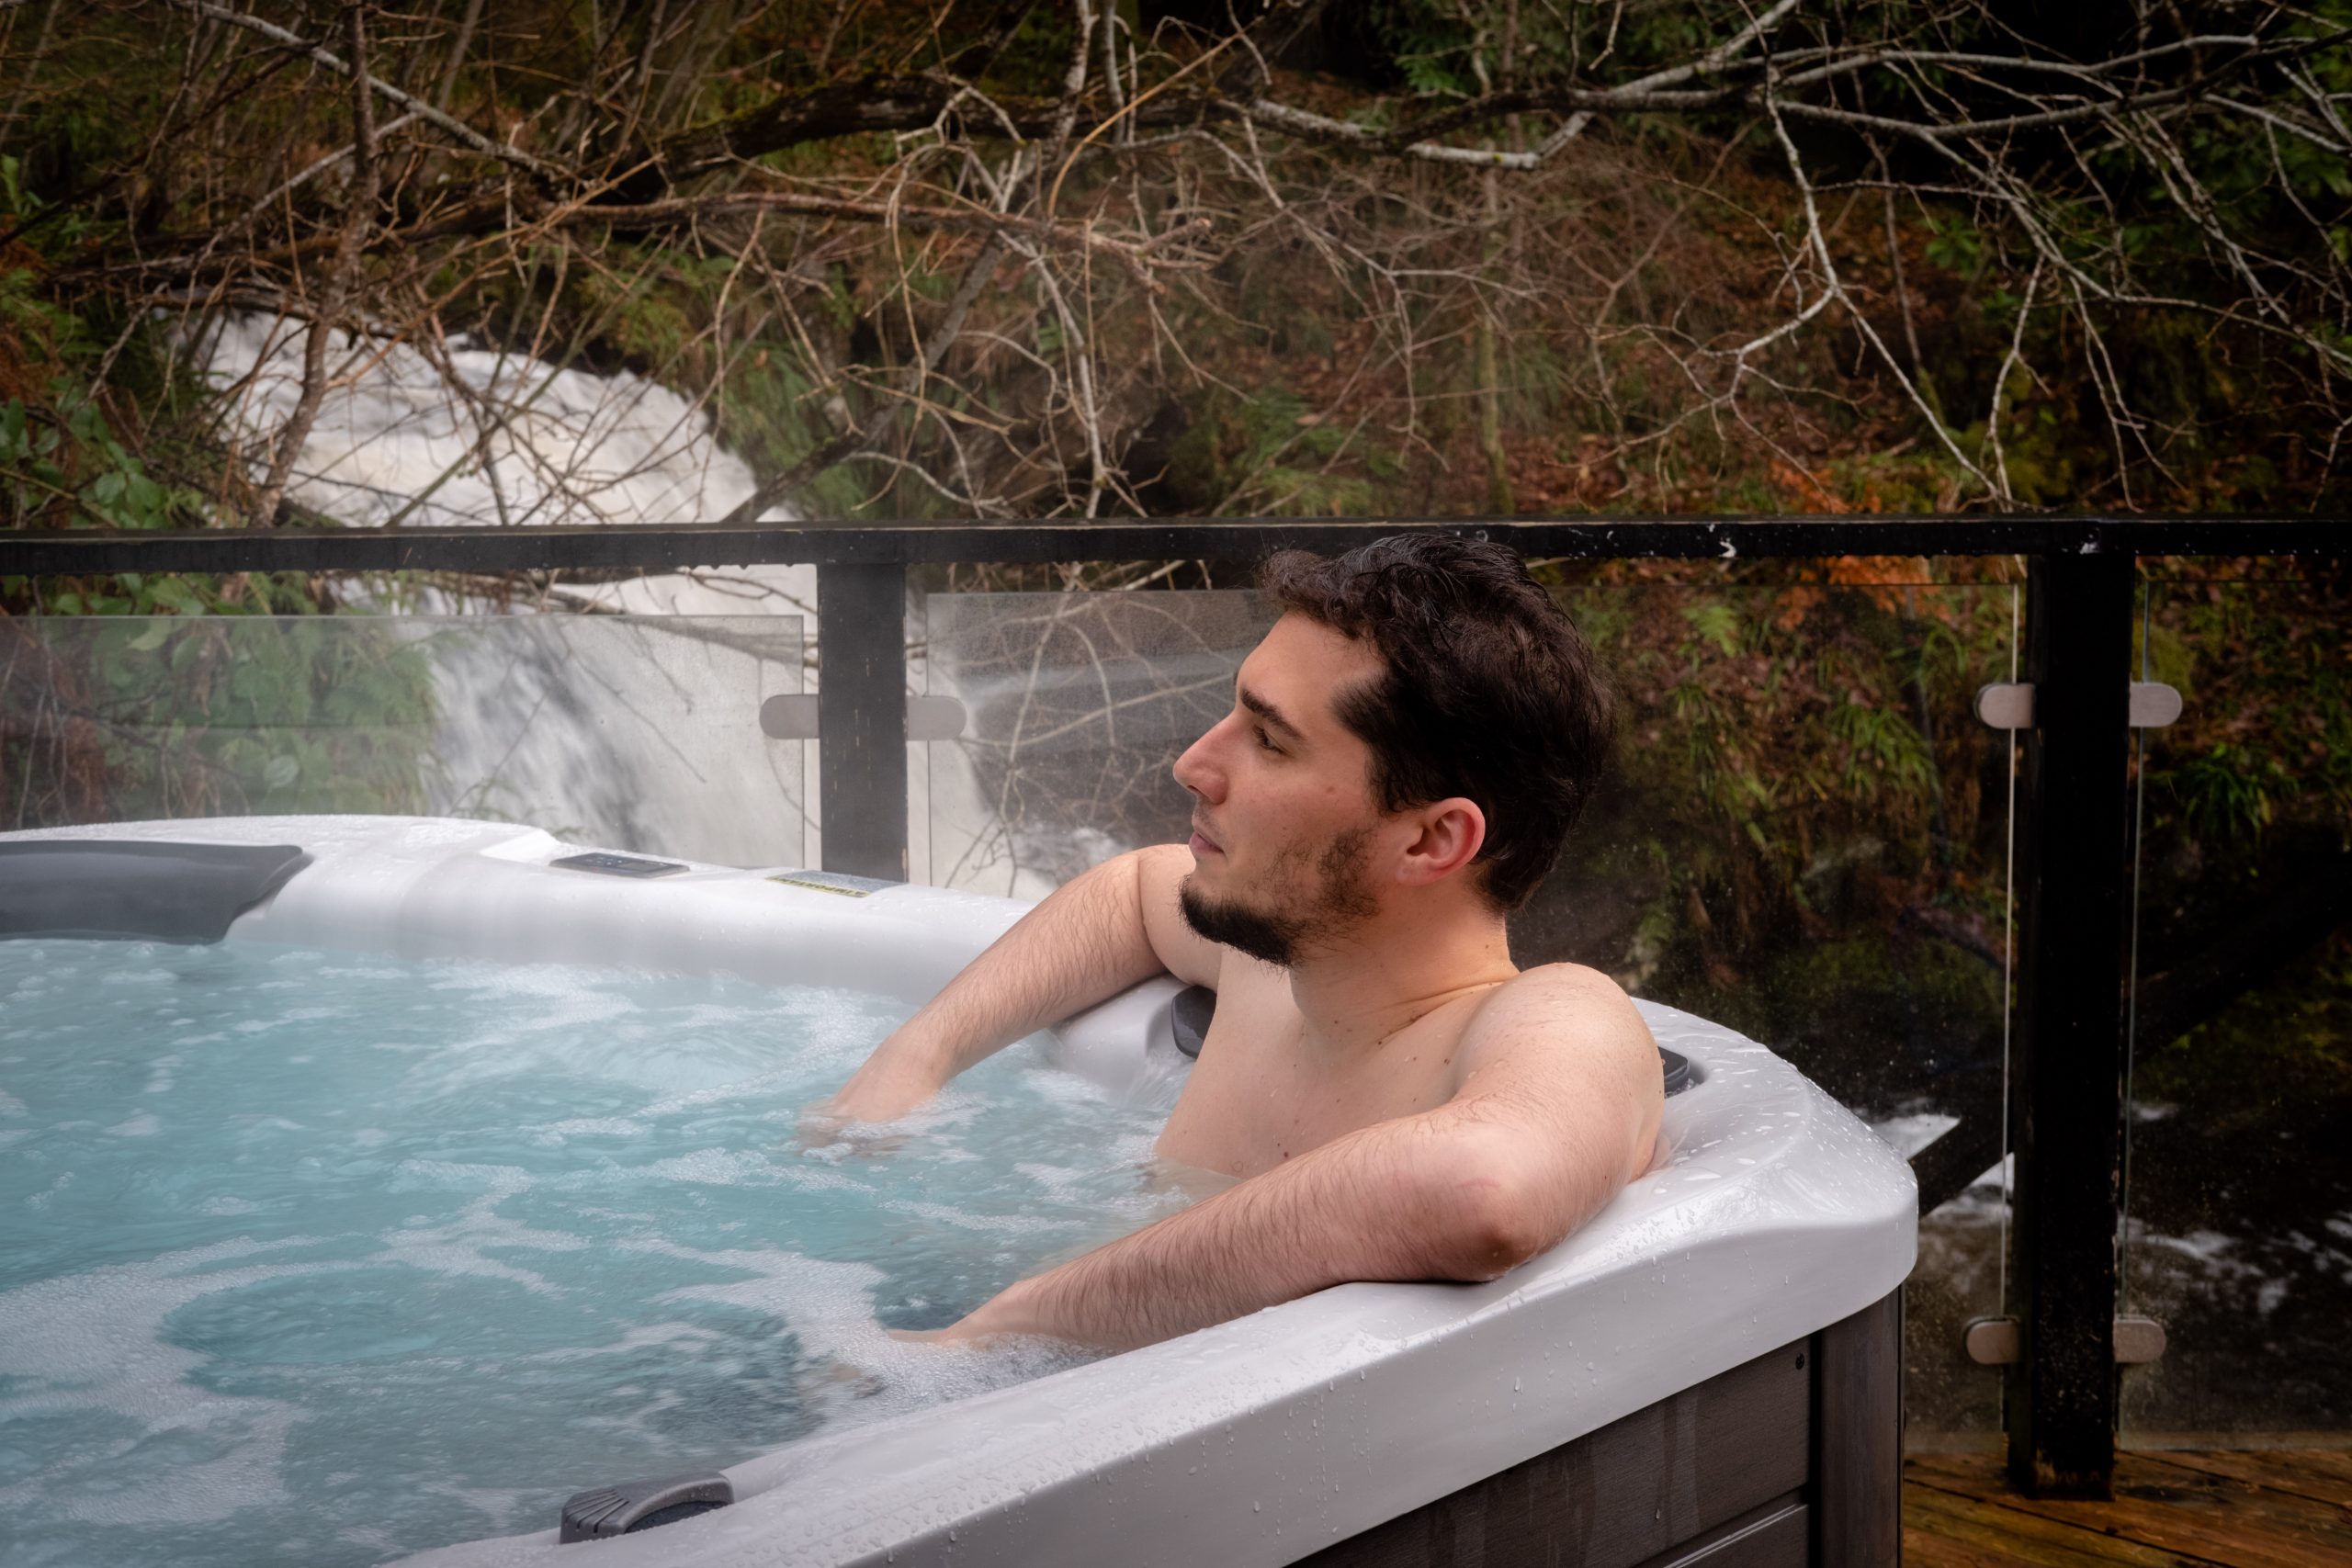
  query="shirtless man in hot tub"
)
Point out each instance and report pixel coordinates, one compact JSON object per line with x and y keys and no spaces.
{"x":1394,"y":1096}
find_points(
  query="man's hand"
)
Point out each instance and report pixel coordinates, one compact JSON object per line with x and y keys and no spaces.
{"x":891,"y":1083}
{"x":888,"y":1086}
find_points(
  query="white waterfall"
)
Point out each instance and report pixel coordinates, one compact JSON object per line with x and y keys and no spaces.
{"x":633,"y":735}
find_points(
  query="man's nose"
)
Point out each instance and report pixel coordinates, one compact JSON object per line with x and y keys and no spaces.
{"x":1197,"y":772}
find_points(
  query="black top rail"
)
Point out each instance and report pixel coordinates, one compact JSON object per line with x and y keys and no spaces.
{"x":669,"y":546}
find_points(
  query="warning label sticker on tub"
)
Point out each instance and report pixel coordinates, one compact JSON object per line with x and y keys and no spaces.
{"x":832,"y":881}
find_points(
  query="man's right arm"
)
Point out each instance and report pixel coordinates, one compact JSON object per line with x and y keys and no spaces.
{"x":1104,"y":931}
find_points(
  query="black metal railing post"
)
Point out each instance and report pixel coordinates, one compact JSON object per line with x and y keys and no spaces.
{"x":862,"y":718}
{"x":2067,"y":1107}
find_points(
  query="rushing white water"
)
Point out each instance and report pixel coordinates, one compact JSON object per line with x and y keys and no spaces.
{"x":648,"y":741}
{"x":482,"y":436}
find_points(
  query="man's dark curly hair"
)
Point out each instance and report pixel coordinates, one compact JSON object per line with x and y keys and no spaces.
{"x":1490,"y":692}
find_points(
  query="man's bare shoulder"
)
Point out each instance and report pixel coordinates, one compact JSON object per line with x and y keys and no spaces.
{"x":1554,"y":1018}
{"x":1563,"y":1047}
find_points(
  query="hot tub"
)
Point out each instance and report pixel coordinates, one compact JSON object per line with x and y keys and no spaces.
{"x":1707,"y":1373}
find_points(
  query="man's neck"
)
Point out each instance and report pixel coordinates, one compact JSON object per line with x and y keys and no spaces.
{"x":1355,"y":996}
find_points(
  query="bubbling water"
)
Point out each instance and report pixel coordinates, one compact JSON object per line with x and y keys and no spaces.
{"x":320,"y":1258}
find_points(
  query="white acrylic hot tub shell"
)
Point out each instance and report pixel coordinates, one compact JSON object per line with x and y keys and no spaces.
{"x":1251,"y":1442}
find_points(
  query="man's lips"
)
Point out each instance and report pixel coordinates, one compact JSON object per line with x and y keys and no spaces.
{"x":1202,"y":843}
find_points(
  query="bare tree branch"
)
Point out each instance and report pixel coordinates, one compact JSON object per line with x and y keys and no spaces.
{"x":425,"y":111}
{"x":343,"y":283}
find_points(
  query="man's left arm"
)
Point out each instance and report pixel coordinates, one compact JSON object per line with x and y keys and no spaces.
{"x":1557,"y":1110}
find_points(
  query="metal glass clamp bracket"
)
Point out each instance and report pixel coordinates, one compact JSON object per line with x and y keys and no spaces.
{"x":1993,"y":1341}
{"x":2009,"y":705}
{"x":794,"y":717}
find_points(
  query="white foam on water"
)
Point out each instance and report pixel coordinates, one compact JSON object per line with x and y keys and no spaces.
{"x":827,"y":1303}
{"x":588,"y":1126}
{"x":1067,"y":1088}
{"x":530,"y":1003}
{"x":833,"y":1031}
{"x":143,"y":1126}
{"x":757,"y":1086}
{"x":964,"y":1219}
{"x":94,"y":1341}
{"x":501,"y":1507}
{"x":531,"y":1215}
{"x":456,"y":1246}
{"x":870,"y":1373}
{"x":58,"y":1183}
{"x":1058,"y":1179}
{"x":356,"y":972}
{"x":683,"y":1337}
{"x":718,"y":1168}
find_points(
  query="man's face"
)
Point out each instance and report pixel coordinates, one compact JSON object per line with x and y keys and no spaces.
{"x":1285,"y":828}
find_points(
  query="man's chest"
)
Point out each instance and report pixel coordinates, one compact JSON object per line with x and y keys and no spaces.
{"x":1258,"y":1096}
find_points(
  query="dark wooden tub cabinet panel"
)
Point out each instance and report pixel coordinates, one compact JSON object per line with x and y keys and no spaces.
{"x":1858,"y":1441}
{"x":1791,"y":1460}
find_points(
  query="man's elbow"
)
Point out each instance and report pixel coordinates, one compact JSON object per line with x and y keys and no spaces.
{"x":1498,"y":1219}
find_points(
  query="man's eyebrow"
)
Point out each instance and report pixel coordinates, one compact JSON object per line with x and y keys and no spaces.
{"x":1265,"y":710}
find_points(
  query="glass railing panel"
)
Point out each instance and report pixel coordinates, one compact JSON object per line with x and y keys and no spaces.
{"x":1804,"y":835}
{"x":1076,"y":705}
{"x":635,"y":733}
{"x":2237,"y":1232}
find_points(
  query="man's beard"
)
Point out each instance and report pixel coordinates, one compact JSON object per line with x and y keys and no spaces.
{"x":1307,"y":919}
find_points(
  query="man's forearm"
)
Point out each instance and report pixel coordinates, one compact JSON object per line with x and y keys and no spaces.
{"x":1392,"y":1201}
{"x":1084,"y":944}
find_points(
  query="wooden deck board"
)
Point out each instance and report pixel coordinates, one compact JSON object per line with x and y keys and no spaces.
{"x":2321,"y":1475}
{"x":2203,"y":1508}
{"x":1945,"y":1530}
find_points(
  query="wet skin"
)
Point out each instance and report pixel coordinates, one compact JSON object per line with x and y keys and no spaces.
{"x":1393,"y":999}
{"x":1387,"y":1095}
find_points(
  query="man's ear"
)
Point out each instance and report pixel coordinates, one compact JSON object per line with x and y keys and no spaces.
{"x":1451,"y":831}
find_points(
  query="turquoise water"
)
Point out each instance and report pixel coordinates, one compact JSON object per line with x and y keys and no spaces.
{"x":318,"y":1258}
